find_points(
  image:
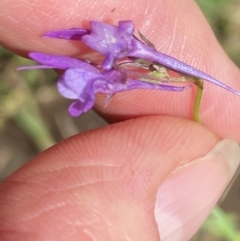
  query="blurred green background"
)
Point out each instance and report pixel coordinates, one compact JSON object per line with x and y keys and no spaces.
{"x":33,"y":116}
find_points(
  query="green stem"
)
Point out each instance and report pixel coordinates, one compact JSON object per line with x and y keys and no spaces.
{"x":196,"y":108}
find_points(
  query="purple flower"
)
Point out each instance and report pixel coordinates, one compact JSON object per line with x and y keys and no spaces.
{"x":81,"y":81}
{"x":114,"y":42}
{"x":117,"y":42}
{"x":79,"y":85}
{"x":128,"y":62}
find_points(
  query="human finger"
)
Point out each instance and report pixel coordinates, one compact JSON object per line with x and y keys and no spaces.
{"x":183,"y":36}
{"x":106,"y":184}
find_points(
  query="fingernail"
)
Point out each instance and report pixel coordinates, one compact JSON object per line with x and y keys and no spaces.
{"x":187,"y":196}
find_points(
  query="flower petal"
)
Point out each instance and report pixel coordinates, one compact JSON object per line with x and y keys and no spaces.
{"x":70,"y":34}
{"x":65,"y":90}
{"x":75,"y":82}
{"x":78,"y":107}
{"x":102,"y":37}
{"x":61,"y":62}
{"x":112,"y":41}
{"x":126,"y":27}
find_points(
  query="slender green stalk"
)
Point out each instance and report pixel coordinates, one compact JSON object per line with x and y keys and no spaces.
{"x":196,"y":108}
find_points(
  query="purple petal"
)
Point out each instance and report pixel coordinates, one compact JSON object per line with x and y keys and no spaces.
{"x":75,"y":82}
{"x":102,"y":37}
{"x":67,"y":91}
{"x":126,"y":27}
{"x":70,"y":34}
{"x":108,"y":62}
{"x":78,"y":107}
{"x":61,"y":62}
{"x":102,"y":29}
{"x":112,"y":41}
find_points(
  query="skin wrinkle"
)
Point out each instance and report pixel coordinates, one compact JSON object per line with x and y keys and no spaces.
{"x":47,"y":209}
{"x":81,"y":164}
{"x":174,"y":34}
{"x":90,"y":234}
{"x":177,"y":36}
{"x":181,"y":54}
{"x":56,"y":189}
{"x":88,"y":163}
{"x":68,"y":236}
{"x":146,"y":25}
{"x":163,"y":41}
{"x":87,"y":184}
{"x":71,"y":12}
{"x":24,"y":28}
{"x":122,"y":231}
{"x":172,"y":22}
{"x":52,"y":21}
{"x":74,"y":164}
{"x":12,"y":19}
{"x":103,"y":141}
{"x":45,"y":188}
{"x":96,"y":216}
{"x":133,"y":14}
{"x":220,"y":115}
{"x":101,"y":217}
{"x":93,"y":6}
{"x":127,"y":237}
{"x":16,"y":184}
{"x":72,"y":187}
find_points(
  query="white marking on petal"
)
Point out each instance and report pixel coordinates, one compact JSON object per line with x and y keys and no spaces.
{"x":113,"y":40}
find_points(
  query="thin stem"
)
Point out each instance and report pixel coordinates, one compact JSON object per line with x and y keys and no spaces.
{"x":196,"y":108}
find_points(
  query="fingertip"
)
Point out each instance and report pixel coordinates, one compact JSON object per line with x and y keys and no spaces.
{"x":188,"y":195}
{"x":104,"y":178}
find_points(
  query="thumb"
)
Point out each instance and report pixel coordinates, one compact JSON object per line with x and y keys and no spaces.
{"x":102,"y":185}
